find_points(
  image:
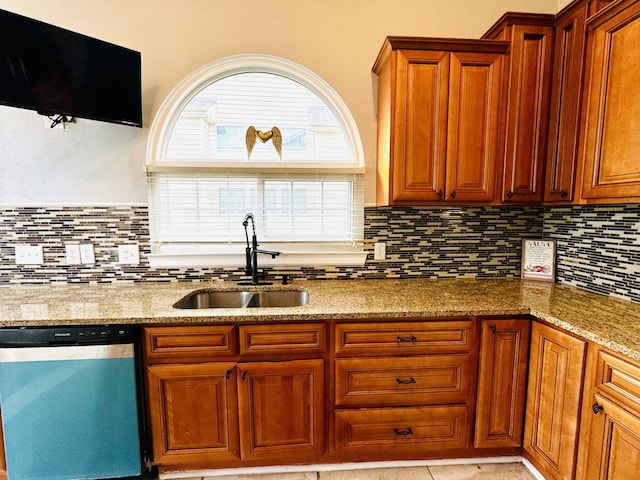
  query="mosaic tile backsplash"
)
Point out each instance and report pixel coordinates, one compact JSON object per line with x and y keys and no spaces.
{"x":598,"y":247}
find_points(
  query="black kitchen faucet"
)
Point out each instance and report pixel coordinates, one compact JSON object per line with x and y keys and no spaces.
{"x":252,"y":251}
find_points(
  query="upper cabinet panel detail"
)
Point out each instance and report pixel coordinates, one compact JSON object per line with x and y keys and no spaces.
{"x":611,"y":145}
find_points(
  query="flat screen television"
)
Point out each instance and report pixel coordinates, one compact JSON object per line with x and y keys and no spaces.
{"x":55,"y":71}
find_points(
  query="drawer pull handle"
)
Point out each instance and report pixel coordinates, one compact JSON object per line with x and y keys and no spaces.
{"x":597,"y":408}
{"x":406,"y":381}
{"x":409,"y":339}
{"x":402,"y":433}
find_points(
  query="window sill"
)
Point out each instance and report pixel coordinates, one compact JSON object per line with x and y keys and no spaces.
{"x":171,"y":256}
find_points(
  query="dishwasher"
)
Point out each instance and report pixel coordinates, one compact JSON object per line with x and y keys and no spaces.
{"x":70,"y":402}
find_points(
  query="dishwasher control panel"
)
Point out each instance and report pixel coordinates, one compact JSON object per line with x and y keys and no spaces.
{"x":73,"y":335}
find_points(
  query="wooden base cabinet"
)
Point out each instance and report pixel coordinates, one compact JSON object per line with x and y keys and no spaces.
{"x":210,"y":405}
{"x":193,"y":413}
{"x":554,"y":395}
{"x":403,"y":390}
{"x":281,"y":407}
{"x":337,"y":391}
{"x":502,"y":382}
{"x":610,"y":449}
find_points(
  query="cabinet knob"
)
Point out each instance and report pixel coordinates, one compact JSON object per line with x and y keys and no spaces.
{"x":402,"y":433}
{"x":227,"y":374}
{"x":493,"y":328}
{"x":597,"y":408}
{"x":564,"y":194}
{"x":244,"y":375}
{"x":440,"y":194}
{"x":453,"y":194}
{"x":509,"y":194}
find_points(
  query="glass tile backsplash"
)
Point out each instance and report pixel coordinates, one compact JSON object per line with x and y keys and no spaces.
{"x":598,"y":247}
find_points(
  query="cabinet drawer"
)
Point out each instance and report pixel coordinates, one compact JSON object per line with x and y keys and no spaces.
{"x":404,"y":338}
{"x":618,"y":378}
{"x":442,"y":379}
{"x":197,"y":341}
{"x":283,"y":338}
{"x":400,"y":432}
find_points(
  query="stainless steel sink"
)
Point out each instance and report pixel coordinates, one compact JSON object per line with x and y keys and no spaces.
{"x":243,"y":299}
{"x":217,"y":299}
{"x":279,"y":298}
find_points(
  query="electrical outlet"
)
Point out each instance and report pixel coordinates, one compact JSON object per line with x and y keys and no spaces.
{"x":379,"y":251}
{"x":86,"y":253}
{"x":73,"y":254}
{"x":129,"y":254}
{"x":29,"y":255}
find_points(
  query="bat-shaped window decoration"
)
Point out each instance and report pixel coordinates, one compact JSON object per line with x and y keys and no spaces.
{"x":274,"y":135}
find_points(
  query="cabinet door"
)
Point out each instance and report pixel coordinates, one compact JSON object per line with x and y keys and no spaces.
{"x":193,"y":413}
{"x":474,"y":115}
{"x":612,"y":105}
{"x":555,"y":383}
{"x":566,"y":92}
{"x":420,"y":120}
{"x":502,"y":382}
{"x":527,"y":113}
{"x":281,"y":406}
{"x":614,"y":442}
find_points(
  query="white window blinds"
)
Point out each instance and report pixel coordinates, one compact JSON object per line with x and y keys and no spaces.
{"x":254,"y":135}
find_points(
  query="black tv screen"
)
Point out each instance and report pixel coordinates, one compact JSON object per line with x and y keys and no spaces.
{"x":59,"y":72}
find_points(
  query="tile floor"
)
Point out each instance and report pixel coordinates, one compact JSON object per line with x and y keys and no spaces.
{"x":487,"y":471}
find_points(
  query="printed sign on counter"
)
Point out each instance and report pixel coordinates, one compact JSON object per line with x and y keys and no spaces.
{"x":538,"y":259}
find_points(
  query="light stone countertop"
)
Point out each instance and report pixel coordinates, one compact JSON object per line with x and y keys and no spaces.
{"x":607,"y":321}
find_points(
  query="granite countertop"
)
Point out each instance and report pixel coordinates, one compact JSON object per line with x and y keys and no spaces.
{"x":607,"y":321}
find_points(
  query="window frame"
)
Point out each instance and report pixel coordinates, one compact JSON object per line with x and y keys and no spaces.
{"x":229,"y":254}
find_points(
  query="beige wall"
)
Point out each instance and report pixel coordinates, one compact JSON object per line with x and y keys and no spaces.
{"x":92,"y":162}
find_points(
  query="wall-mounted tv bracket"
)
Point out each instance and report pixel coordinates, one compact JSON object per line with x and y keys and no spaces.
{"x":60,"y":120}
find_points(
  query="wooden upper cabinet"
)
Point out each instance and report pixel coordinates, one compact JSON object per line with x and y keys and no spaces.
{"x":556,"y":367}
{"x":566,"y":93}
{"x":611,"y":144}
{"x":438,"y":116}
{"x":527,"y":89}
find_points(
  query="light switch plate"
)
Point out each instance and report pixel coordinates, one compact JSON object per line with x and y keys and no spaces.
{"x":129,"y":254}
{"x":379,"y":251}
{"x":29,"y":255}
{"x":87,"y":254}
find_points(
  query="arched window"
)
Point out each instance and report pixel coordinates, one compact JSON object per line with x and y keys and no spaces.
{"x":260,"y":135}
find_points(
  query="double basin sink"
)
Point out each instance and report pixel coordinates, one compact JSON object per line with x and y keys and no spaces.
{"x":243,"y":299}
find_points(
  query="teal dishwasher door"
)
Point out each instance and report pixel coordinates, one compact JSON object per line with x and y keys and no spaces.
{"x":70,"y":412}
